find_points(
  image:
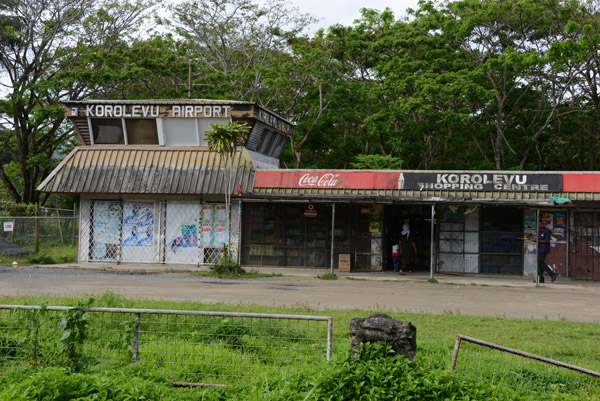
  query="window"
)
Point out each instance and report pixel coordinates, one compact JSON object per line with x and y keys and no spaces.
{"x":204,"y":125}
{"x":141,"y":131}
{"x":180,"y":131}
{"x":107,"y":131}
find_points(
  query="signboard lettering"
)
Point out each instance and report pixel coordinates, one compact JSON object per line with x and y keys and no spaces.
{"x":325,"y":180}
{"x":483,"y":182}
{"x":154,"y":111}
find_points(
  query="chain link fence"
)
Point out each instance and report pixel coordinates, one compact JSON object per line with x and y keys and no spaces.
{"x":185,"y":347}
{"x":50,"y":227}
{"x":157,"y":232}
{"x":524,"y":372}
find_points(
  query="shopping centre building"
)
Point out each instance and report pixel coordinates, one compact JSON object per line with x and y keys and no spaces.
{"x":152,"y":191}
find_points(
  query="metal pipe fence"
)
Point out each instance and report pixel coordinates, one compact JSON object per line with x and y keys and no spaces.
{"x":523,"y":371}
{"x":190,"y":347}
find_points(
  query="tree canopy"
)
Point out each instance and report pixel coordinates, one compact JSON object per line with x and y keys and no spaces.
{"x":466,"y":84}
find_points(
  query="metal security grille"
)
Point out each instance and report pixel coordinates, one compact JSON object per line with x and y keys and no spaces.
{"x":156,"y":232}
{"x":525,"y":372}
{"x":584,"y":245}
{"x":459,"y":240}
{"x":182,"y":346}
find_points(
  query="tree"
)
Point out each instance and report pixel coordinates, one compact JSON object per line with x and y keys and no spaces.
{"x":223,"y":139}
{"x":232,"y":42}
{"x":52,"y":51}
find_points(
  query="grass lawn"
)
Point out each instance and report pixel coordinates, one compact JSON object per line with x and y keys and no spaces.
{"x":569,"y":342}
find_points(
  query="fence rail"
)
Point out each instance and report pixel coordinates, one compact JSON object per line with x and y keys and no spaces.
{"x":520,"y":370}
{"x":201,"y":347}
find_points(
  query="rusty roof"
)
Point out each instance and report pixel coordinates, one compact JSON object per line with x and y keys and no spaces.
{"x":148,"y":170}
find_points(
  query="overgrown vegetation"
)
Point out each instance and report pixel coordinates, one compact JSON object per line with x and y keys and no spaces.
{"x":328,"y":276}
{"x":46,"y":256}
{"x":227,"y":263}
{"x":345,"y":378}
{"x":247,"y":274}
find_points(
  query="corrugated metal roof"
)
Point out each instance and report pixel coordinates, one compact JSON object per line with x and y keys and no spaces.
{"x":148,"y":170}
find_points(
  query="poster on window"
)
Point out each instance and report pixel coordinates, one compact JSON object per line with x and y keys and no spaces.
{"x":105,"y":226}
{"x":138,"y":224}
{"x":214,"y":226}
{"x":182,"y":232}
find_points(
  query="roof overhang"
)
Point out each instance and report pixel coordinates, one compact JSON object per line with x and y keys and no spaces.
{"x":149,"y":170}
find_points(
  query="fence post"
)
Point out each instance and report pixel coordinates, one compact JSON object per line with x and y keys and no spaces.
{"x":62,"y":237}
{"x":136,"y":338}
{"x":455,"y":353}
{"x":37,"y":228}
{"x":74,"y":223}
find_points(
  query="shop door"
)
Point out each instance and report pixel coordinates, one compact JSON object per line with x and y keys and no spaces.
{"x":419,"y":219}
{"x":501,"y":240}
{"x":353,"y":236}
{"x":584,"y":246}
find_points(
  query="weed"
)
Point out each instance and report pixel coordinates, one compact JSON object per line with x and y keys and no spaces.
{"x":228,"y":263}
{"x":432,"y":280}
{"x":328,"y":276}
{"x":74,"y":332}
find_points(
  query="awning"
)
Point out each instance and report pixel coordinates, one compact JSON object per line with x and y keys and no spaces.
{"x":148,"y":170}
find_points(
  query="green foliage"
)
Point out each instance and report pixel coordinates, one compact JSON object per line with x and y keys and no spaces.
{"x":376,"y":375}
{"x":328,"y":276}
{"x":48,"y":255}
{"x":377,"y":162}
{"x":228,"y":263}
{"x":223,"y":138}
{"x":74,"y":333}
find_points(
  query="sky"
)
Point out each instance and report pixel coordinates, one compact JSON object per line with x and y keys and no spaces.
{"x":344,"y":12}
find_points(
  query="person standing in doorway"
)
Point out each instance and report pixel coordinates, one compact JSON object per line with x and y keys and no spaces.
{"x":396,"y":257}
{"x":407,"y":247}
{"x":544,"y":235}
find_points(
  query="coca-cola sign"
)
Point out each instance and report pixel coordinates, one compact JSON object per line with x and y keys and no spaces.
{"x":327,"y":179}
{"x":323,"y":180}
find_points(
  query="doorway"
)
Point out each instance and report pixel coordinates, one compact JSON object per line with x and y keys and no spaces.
{"x":419,"y":219}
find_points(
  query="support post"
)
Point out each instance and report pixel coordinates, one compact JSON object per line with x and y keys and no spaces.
{"x":432,"y":246}
{"x":537,"y":228}
{"x":332,"y":236}
{"x":74,"y":224}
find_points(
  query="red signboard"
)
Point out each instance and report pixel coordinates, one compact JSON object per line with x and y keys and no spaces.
{"x":581,"y":182}
{"x":328,"y":179}
{"x":342,"y":179}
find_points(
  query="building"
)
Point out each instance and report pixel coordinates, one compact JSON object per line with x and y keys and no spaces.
{"x":151,"y":191}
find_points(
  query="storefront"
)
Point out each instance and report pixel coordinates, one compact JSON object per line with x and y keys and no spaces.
{"x":152,"y":192}
{"x":483,"y":222}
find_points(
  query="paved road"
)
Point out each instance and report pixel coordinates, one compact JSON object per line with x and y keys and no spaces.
{"x":482,"y":296}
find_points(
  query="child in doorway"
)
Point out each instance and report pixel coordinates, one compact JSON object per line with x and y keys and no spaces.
{"x":396,"y":258}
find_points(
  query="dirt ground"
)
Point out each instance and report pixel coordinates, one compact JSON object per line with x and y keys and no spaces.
{"x":480,"y":296}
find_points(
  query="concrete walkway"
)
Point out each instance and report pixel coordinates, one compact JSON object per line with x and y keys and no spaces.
{"x":457,"y":279}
